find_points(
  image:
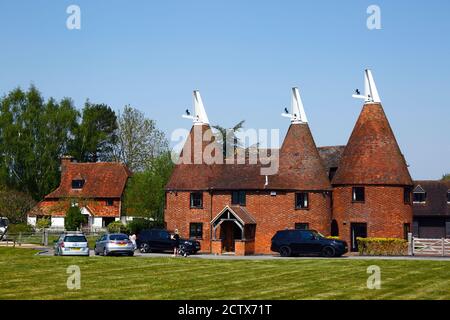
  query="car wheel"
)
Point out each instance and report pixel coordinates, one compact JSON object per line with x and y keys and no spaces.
{"x":105,"y":252}
{"x":285,"y":251}
{"x":328,"y":252}
{"x":145,"y":248}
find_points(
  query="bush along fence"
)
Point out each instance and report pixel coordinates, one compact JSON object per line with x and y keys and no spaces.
{"x":382,"y":247}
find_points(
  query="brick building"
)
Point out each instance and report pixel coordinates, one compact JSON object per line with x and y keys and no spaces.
{"x":431,"y":208}
{"x":362,"y":189}
{"x":97,"y":188}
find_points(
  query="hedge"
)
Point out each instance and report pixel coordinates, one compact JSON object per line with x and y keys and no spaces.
{"x":382,"y":247}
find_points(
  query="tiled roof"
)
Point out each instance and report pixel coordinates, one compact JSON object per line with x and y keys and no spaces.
{"x":372,"y":155}
{"x":331,"y":155}
{"x":58,"y":208}
{"x":102,"y":180}
{"x":436,"y":199}
{"x":300,"y":168}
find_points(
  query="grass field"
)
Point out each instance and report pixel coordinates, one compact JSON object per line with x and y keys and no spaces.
{"x":26,"y":276}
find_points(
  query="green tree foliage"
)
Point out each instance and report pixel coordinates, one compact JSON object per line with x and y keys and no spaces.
{"x":33,"y":135}
{"x":446,"y":177}
{"x":96,"y":135}
{"x":227,"y":138}
{"x":44,"y":223}
{"x":139,"y":140}
{"x":117,"y":227}
{"x":145,"y":194}
{"x":73,"y":219}
{"x":15,"y":205}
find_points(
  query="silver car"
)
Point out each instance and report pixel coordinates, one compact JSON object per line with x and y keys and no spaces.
{"x":114,"y":243}
{"x":71,"y":244}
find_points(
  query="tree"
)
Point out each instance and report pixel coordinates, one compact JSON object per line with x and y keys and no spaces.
{"x":15,"y":205}
{"x":145,"y":194}
{"x":73,"y":219}
{"x":34,"y":134}
{"x":96,"y":135}
{"x":139,"y":140}
{"x":227,"y":138}
{"x":446,"y":177}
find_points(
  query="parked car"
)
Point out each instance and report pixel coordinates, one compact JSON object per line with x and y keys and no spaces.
{"x":306,"y":242}
{"x":114,"y":243}
{"x":71,"y":244}
{"x":160,"y":240}
{"x":3,"y":226}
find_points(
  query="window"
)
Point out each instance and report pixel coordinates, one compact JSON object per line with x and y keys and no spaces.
{"x":109,"y":202}
{"x":196,"y":200}
{"x":196,"y":230}
{"x":77,"y":184}
{"x":419,"y":197}
{"x":448,"y":196}
{"x":358,"y":194}
{"x":238,"y":198}
{"x":406,"y":230}
{"x":407,"y":195}
{"x":302,"y":226}
{"x":301,"y":200}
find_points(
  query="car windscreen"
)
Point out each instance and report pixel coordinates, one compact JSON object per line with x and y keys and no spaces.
{"x":119,"y":237}
{"x":75,"y":239}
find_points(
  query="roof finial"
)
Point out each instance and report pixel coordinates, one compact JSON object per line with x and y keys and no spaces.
{"x":370,"y":89}
{"x":298,"y":112}
{"x":199,"y":116}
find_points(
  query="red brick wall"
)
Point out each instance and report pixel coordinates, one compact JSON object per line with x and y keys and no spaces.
{"x":384,"y":211}
{"x":178,"y":215}
{"x":272,"y":213}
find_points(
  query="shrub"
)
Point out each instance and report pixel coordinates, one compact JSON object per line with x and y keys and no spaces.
{"x":117,"y":227}
{"x":44,"y":223}
{"x":137,"y":225}
{"x":73,"y":219}
{"x":382,"y":246}
{"x":19,"y":228}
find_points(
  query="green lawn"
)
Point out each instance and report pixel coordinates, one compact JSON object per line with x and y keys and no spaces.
{"x":26,"y":276}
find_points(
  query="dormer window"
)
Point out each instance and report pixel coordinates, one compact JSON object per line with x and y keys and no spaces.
{"x":419,"y":195}
{"x":77,"y":184}
{"x":448,"y":196}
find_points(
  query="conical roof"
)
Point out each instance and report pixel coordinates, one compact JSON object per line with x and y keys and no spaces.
{"x":300,"y":166}
{"x":372,"y":155}
{"x":194,"y":170}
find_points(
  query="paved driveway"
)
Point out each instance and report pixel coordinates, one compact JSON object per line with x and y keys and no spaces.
{"x":49,"y":252}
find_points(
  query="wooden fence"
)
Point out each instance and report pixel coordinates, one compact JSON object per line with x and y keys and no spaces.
{"x":431,"y":247}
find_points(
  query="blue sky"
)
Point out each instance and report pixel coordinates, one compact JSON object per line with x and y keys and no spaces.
{"x":243,"y":56}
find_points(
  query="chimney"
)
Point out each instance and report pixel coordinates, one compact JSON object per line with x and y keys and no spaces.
{"x":66,"y":160}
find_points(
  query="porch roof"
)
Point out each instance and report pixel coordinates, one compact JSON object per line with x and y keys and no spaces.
{"x":238,"y":212}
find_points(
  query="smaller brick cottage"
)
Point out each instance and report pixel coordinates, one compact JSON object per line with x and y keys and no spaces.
{"x":97,"y":188}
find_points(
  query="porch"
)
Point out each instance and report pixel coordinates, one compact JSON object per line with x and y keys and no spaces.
{"x":233,"y":232}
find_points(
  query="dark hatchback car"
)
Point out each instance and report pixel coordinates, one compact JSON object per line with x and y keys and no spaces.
{"x":160,"y":240}
{"x":306,"y":242}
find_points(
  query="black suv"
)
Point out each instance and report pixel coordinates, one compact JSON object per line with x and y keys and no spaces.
{"x":306,"y":242}
{"x":158,"y":240}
